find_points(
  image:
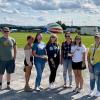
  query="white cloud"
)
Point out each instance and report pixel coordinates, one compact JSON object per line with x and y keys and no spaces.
{"x":41,"y":19}
{"x":6,"y":11}
{"x":45,"y":11}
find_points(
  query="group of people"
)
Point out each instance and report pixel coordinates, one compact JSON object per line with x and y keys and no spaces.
{"x":72,"y":54}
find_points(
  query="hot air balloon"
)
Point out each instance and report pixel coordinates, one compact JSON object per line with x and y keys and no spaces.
{"x":54,"y":28}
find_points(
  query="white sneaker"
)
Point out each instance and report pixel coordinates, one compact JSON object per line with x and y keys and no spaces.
{"x":97,"y":94}
{"x":41,"y":88}
{"x":70,"y":86}
{"x":50,"y":85}
{"x":54,"y":85}
{"x":91,"y":93}
{"x":37,"y":89}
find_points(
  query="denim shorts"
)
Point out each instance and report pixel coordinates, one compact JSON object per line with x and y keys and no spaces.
{"x":8,"y":66}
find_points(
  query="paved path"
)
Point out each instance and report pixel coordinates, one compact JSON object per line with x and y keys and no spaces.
{"x":55,"y":94}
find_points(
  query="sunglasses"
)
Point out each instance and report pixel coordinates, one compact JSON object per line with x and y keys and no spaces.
{"x":97,"y":37}
{"x":53,"y":37}
{"x":78,"y":39}
{"x":67,"y":36}
{"x":6,"y":31}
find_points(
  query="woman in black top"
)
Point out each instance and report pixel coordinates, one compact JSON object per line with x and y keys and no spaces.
{"x":66,"y":59}
{"x":53,"y":52}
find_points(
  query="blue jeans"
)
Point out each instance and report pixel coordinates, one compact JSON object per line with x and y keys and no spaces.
{"x":95,"y":76}
{"x":92,"y":78}
{"x":67,"y":66}
{"x":39,"y":68}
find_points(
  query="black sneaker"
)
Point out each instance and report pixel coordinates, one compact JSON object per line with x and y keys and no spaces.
{"x":76,"y":89}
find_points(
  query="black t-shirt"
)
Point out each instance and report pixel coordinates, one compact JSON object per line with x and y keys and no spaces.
{"x":66,"y":48}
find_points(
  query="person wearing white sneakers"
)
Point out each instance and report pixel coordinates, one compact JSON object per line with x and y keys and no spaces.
{"x":40,"y":58}
{"x":53,"y":52}
{"x":94,"y":65}
{"x":66,"y":60}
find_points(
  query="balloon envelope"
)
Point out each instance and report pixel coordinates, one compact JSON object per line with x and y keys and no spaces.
{"x":54,"y":28}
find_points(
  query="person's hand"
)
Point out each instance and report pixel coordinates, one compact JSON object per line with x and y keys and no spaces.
{"x":52,"y":61}
{"x":70,"y":54}
{"x":45,"y":57}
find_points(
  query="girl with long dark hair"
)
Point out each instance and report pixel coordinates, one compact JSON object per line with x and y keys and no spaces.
{"x":40,"y":58}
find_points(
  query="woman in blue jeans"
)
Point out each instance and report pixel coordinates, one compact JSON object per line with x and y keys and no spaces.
{"x":66,"y":59}
{"x":39,"y":53}
{"x":94,"y":65}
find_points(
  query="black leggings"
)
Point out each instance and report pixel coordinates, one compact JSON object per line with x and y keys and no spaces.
{"x":53,"y":69}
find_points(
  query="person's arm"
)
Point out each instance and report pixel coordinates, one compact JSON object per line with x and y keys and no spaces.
{"x":27,"y":56}
{"x":34,"y":49}
{"x":84,"y":57}
{"x":14,"y":48}
{"x":35,"y":55}
{"x":89,"y":61}
{"x":62,"y":54}
{"x":84,"y":53}
{"x":15,"y":51}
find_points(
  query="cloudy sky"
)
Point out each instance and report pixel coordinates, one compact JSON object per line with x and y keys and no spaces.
{"x":42,"y":12}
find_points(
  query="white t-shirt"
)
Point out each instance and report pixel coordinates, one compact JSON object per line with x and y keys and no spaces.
{"x":78,"y":53}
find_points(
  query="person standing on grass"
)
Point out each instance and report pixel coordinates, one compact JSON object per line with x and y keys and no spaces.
{"x":66,"y":59}
{"x":78,"y":60}
{"x":40,"y":58}
{"x":28,"y":62}
{"x":53,"y":52}
{"x":94,"y":65}
{"x":7,"y":56}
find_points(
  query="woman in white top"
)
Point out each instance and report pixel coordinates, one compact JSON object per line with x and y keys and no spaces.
{"x":28,"y":62}
{"x":78,"y":59}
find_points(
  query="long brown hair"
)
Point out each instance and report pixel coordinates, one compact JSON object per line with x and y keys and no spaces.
{"x":36,"y":40}
{"x":78,"y":36}
{"x":56,"y":39}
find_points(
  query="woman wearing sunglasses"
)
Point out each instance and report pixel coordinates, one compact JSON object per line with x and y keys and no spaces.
{"x":53,"y":52}
{"x":66,"y":59}
{"x":78,"y":50}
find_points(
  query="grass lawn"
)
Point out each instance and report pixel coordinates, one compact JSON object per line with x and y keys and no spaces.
{"x":20,"y":38}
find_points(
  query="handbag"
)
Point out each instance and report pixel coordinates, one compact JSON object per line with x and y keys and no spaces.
{"x":83,"y":66}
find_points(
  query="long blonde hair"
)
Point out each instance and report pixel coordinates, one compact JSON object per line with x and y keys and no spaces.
{"x":56,"y":39}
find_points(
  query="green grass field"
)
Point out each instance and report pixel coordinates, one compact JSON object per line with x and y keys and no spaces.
{"x":20,"y":38}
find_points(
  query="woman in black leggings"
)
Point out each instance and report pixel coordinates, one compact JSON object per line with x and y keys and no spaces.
{"x":53,"y":52}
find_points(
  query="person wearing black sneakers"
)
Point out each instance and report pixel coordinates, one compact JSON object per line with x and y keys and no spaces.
{"x":7,"y":56}
{"x":78,"y":51}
